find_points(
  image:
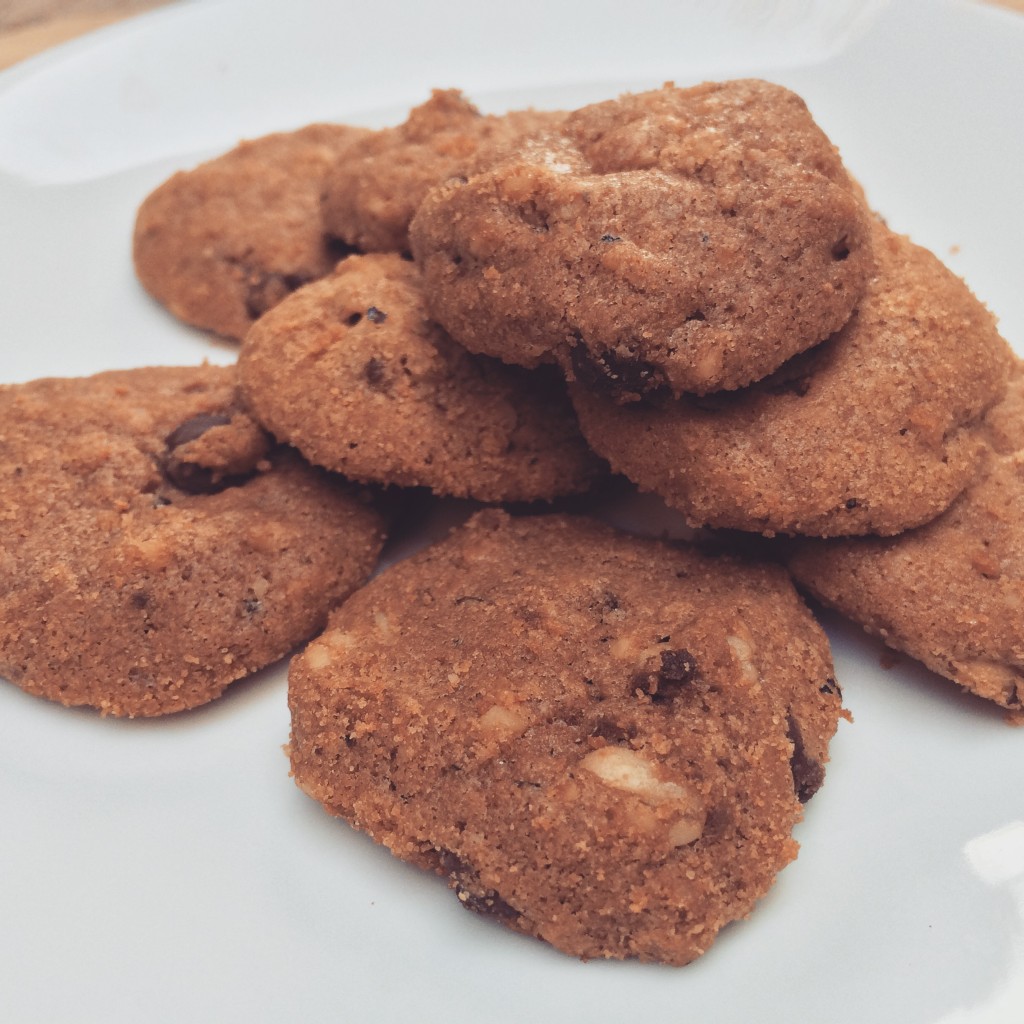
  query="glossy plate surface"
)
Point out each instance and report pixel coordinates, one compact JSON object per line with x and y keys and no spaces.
{"x":170,"y":870}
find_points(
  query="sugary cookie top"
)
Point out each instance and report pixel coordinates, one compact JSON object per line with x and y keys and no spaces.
{"x":602,"y":740}
{"x":874,"y":431}
{"x":371,"y":194}
{"x":351,"y":372}
{"x":950,"y":592}
{"x":680,"y":239}
{"x":155,"y":544}
{"x":222,"y":243}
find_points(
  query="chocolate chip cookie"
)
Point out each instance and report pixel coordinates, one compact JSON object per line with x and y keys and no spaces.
{"x":949,"y":593}
{"x":155,"y":545}
{"x":874,"y":431}
{"x":351,"y":372}
{"x":371,"y":194}
{"x":221,"y":244}
{"x":600,"y":740}
{"x":681,"y":239}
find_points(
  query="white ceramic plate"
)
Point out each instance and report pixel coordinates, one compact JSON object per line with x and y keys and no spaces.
{"x":169,"y":870}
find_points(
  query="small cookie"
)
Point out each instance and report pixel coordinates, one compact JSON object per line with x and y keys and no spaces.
{"x":155,"y":546}
{"x":874,"y":431}
{"x":681,"y":239}
{"x":371,"y":195}
{"x":601,"y":740}
{"x":221,"y":244}
{"x":351,"y":372}
{"x":949,"y":593}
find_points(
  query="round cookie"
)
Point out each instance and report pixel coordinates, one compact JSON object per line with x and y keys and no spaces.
{"x":681,"y":239}
{"x":221,"y":244}
{"x":950,"y":592}
{"x":370,"y":196}
{"x":155,"y":546}
{"x":874,"y":431}
{"x":601,"y":740}
{"x":351,"y":372}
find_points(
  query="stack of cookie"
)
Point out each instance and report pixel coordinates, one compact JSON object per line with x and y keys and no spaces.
{"x":601,"y":740}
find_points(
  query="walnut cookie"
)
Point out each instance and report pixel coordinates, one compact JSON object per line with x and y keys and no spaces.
{"x":600,"y":740}
{"x":351,"y":372}
{"x":876,"y":430}
{"x":155,"y":545}
{"x":222,"y":243}
{"x":682,"y":239}
{"x":371,"y":194}
{"x":950,"y":592}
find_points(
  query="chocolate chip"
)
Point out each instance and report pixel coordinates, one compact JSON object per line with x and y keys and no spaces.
{"x":139,"y":599}
{"x":830,"y":686}
{"x":677,"y":666}
{"x":611,"y":731}
{"x":352,"y":319}
{"x":463,"y":879}
{"x":678,"y":669}
{"x":852,"y":503}
{"x":374,"y":373}
{"x":613,"y":374}
{"x":194,"y":428}
{"x":696,"y":315}
{"x":375,"y":315}
{"x":840,"y":250}
{"x":611,"y":238}
{"x":251,"y":604}
{"x":190,"y":476}
{"x":488,"y":903}
{"x":808,"y":774}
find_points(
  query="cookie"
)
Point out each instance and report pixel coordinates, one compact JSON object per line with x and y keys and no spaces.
{"x":950,"y":592}
{"x":221,"y":244}
{"x":600,"y":740}
{"x":370,"y":196}
{"x":154,"y":546}
{"x":682,"y":239}
{"x":874,"y":431}
{"x":351,"y":372}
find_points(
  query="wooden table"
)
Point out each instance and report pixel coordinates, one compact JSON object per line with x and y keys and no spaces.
{"x":29,"y":26}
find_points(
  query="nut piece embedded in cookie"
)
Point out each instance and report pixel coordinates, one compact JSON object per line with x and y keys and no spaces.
{"x":680,"y":240}
{"x":156,"y":545}
{"x":556,"y":720}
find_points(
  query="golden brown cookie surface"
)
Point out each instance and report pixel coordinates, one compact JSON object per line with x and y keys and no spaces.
{"x":370,"y":196}
{"x":875,"y":430}
{"x":155,"y":546}
{"x":950,"y":592}
{"x":600,"y":740}
{"x":222,"y":243}
{"x":688,"y":239}
{"x":351,"y":372}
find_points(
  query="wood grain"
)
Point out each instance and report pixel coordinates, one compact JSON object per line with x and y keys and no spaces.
{"x":28,"y":27}
{"x":31,"y":26}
